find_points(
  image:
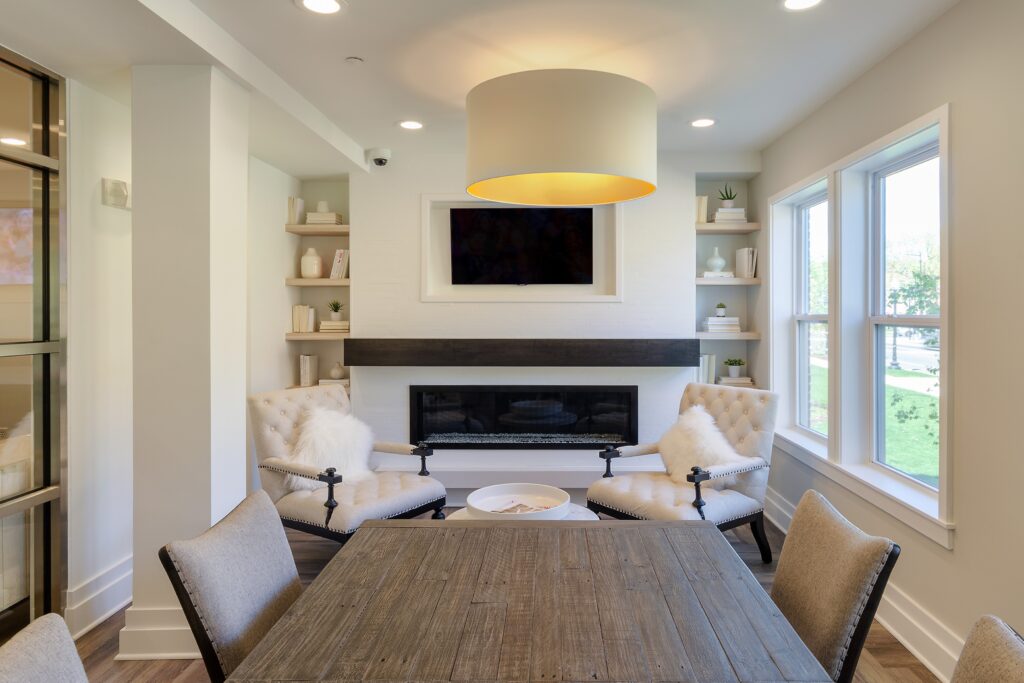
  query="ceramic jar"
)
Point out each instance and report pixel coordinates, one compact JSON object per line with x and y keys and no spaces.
{"x":311,"y":265}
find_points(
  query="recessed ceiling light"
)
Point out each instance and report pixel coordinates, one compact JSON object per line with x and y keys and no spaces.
{"x":411,"y":125}
{"x":322,"y":6}
{"x":797,"y":5}
{"x":13,"y":142}
{"x":702,"y":123}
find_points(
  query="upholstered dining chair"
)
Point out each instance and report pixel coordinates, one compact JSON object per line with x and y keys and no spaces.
{"x":233,"y":582}
{"x":337,"y":509}
{"x":829,"y":581}
{"x":42,"y":652}
{"x":993,"y":652}
{"x":747,"y":419}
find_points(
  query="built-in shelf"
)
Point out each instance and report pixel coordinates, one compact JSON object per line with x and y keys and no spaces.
{"x":316,"y":336}
{"x":317,"y":230}
{"x":729,"y":336}
{"x":704,"y":281}
{"x":317,"y":282}
{"x":727,"y":228}
{"x":343,"y":383}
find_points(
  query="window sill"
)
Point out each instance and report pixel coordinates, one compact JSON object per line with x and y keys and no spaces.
{"x":889,"y":492}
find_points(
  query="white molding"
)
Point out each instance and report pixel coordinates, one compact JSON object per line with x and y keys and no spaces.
{"x":928,"y":639}
{"x":156,"y":633}
{"x":94,"y":600}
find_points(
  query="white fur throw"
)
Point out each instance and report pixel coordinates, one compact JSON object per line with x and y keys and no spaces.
{"x":329,"y":438}
{"x":695,"y":441}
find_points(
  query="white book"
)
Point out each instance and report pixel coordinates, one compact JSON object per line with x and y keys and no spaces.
{"x":702,"y":208}
{"x":340,"y":266}
{"x":341,"y":382}
{"x":296,"y":210}
{"x":723,"y":274}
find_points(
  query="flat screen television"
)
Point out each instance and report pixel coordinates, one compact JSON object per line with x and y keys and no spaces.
{"x":522,"y":246}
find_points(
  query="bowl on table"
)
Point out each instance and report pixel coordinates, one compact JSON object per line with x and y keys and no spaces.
{"x":518,"y":502}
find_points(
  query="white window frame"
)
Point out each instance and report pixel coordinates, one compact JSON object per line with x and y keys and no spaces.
{"x":848,"y":457}
{"x":801,"y":410}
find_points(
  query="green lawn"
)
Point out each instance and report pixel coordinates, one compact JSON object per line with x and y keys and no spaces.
{"x":911,"y":446}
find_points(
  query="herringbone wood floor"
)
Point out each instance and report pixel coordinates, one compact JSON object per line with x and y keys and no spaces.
{"x":884,"y":659}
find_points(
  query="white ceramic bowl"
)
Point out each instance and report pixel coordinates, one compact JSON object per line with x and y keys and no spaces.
{"x":483,"y":503}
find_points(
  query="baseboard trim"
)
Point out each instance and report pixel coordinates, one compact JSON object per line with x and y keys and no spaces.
{"x":156,"y":633}
{"x":95,"y":600}
{"x":927,"y":638}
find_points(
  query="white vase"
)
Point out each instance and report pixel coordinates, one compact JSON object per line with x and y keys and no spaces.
{"x":734,"y":370}
{"x":719,"y":312}
{"x":337,"y":371}
{"x":716,"y":262}
{"x":728,"y":203}
{"x":335,"y":315}
{"x":311,"y":265}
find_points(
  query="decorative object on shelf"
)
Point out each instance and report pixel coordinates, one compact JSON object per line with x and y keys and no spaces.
{"x":722,"y":323}
{"x":702,"y":208}
{"x":720,"y":311}
{"x":728,"y":197}
{"x":746,"y":262}
{"x":322,"y":207}
{"x":323,"y":218}
{"x":339,"y":267}
{"x":730,"y":381}
{"x":335,"y":307}
{"x":715,"y":262}
{"x":296,"y":211}
{"x":303,"y":318}
{"x":725,"y":215}
{"x":308,"y":370}
{"x":337,"y":371}
{"x":706,"y":369}
{"x":735,"y":365}
{"x":561,"y":137}
{"x":311,"y":265}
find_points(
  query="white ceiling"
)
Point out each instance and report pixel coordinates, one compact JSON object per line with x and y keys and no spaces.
{"x":754,"y":67}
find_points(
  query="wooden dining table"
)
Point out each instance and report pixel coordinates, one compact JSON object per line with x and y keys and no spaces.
{"x":420,"y":600}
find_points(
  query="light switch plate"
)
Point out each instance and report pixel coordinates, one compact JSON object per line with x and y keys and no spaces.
{"x":116,"y":193}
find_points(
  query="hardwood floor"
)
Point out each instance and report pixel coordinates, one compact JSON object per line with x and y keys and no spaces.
{"x":884,"y":659}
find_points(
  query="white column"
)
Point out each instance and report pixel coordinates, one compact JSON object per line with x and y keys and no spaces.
{"x":190,"y":131}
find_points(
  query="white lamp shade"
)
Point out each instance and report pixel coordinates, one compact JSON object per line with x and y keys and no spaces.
{"x":562,"y":137}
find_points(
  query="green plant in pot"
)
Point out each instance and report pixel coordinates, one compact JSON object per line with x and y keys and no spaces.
{"x":335,"y":306}
{"x":728,"y":197}
{"x":720,"y":311}
{"x":735,"y":365}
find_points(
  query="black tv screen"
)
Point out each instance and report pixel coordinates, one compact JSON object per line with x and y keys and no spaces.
{"x":522,"y":246}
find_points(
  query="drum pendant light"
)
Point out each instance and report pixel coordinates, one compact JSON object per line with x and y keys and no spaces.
{"x":562,"y":137}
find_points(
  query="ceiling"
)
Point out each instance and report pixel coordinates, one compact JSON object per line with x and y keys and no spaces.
{"x":754,"y":67}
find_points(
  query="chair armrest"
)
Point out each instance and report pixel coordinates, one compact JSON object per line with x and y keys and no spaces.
{"x":297,"y":469}
{"x":420,"y":450}
{"x":610,"y":453}
{"x":719,"y":471}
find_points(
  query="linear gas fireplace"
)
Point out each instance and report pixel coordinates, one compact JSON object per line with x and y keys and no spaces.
{"x":513,"y":416}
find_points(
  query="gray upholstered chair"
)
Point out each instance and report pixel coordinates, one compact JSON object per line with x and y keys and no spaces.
{"x":42,"y":652}
{"x":993,"y":652}
{"x":747,"y":419}
{"x":337,"y":509}
{"x":829,"y":581}
{"x":234,"y":582}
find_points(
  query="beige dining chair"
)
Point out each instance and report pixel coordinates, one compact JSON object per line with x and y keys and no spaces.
{"x":234,"y":582}
{"x":993,"y":652}
{"x":829,"y":581}
{"x":42,"y":652}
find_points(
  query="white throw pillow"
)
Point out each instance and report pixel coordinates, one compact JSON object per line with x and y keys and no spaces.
{"x":695,"y":441}
{"x":329,"y":438}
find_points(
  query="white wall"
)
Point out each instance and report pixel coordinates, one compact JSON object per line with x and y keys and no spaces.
{"x":658,"y":303}
{"x":99,"y":363}
{"x":970,"y":57}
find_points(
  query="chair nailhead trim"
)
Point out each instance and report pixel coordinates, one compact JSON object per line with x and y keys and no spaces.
{"x":195,"y":606}
{"x":280,"y":470}
{"x":860,"y":613}
{"x":627,"y":512}
{"x":730,"y":474}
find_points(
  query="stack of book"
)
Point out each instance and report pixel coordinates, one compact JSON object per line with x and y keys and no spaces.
{"x":737,"y":382}
{"x":334,"y":326}
{"x":723,"y":215}
{"x":726,"y":323}
{"x":340,"y":266}
{"x":341,"y":382}
{"x":746,"y":262}
{"x":307,"y":370}
{"x":718,"y":273}
{"x":296,"y":210}
{"x":327,"y":218}
{"x":706,"y":369}
{"x":702,"y":208}
{"x":303,"y":318}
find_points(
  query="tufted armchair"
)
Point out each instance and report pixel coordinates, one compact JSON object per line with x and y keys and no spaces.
{"x":336,"y":509}
{"x":732,"y":495}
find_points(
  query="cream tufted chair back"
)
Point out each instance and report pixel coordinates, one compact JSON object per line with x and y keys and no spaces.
{"x":275,"y":419}
{"x":747,"y":419}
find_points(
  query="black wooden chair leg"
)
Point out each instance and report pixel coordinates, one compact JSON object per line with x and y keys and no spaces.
{"x":757,"y":528}
{"x":438,"y":513}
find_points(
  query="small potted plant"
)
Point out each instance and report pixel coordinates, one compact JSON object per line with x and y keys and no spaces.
{"x":728,"y":197}
{"x":720,"y":311}
{"x":735,"y":365}
{"x":335,"y":307}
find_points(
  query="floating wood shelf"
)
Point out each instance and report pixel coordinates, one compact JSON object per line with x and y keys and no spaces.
{"x":736,"y":281}
{"x":317,"y":230}
{"x":316,"y":336}
{"x":317,"y":282}
{"x":729,"y":336}
{"x":727,"y":228}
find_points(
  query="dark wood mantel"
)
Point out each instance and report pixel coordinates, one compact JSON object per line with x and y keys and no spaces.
{"x":523,"y":352}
